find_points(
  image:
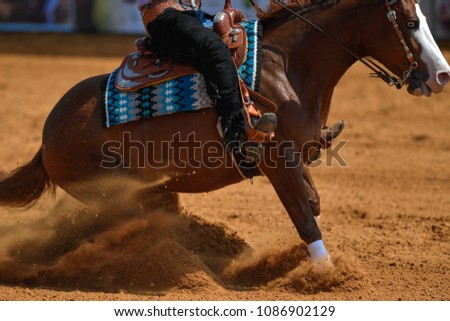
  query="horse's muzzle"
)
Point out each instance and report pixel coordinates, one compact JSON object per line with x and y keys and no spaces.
{"x":439,"y":80}
{"x":417,"y":83}
{"x":417,"y":87}
{"x":443,"y":78}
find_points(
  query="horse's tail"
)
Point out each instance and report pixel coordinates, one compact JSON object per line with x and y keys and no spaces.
{"x":25,"y":185}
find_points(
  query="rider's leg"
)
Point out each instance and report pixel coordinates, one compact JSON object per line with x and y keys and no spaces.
{"x":180,"y":35}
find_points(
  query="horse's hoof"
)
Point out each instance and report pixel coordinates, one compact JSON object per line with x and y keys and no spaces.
{"x":336,"y":129}
{"x":322,"y":266}
{"x":331,"y":133}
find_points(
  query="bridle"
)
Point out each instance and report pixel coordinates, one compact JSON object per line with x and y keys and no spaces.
{"x":378,"y":71}
{"x":392,"y":16}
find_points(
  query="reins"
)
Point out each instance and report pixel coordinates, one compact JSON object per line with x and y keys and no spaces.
{"x":378,"y":71}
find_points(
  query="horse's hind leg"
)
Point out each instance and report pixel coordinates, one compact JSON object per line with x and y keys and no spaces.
{"x":154,"y":198}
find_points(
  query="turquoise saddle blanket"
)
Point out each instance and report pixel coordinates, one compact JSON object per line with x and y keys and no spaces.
{"x":185,"y":93}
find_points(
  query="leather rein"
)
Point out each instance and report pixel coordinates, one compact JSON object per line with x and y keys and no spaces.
{"x":378,"y":71}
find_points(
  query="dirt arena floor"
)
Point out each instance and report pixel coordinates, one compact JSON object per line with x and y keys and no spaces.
{"x":385,"y":216}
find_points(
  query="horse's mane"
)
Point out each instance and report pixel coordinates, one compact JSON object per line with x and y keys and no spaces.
{"x":274,"y":10}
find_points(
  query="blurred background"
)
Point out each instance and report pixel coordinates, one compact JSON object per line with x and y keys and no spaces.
{"x":107,"y":16}
{"x":121,"y":16}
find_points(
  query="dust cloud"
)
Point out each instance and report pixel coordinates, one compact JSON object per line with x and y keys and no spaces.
{"x":73,"y":246}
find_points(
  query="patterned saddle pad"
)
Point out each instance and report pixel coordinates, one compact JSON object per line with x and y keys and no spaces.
{"x":186,"y":93}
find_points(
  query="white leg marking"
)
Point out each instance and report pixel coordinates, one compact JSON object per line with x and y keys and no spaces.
{"x":319,"y":256}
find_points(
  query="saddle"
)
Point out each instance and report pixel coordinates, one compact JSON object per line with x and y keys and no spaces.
{"x":142,"y":68}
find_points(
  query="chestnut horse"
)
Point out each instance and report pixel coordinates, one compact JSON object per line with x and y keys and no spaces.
{"x":302,"y":64}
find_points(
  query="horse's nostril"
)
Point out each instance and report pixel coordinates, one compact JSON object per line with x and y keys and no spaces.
{"x":443,"y":77}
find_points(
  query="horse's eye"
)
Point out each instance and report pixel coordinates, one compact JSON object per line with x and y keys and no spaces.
{"x":412,"y":24}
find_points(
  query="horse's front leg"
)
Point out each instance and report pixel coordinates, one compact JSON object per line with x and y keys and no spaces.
{"x":284,"y":169}
{"x":311,"y":190}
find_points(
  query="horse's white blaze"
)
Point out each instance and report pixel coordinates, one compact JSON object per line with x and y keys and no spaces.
{"x":431,"y":55}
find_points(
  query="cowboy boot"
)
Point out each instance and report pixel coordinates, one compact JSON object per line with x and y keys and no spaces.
{"x":233,"y":129}
{"x":267,"y":123}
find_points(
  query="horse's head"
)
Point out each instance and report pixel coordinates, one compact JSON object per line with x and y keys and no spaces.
{"x":407,"y":47}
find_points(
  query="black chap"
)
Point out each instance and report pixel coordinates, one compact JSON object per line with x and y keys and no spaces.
{"x":181,"y":36}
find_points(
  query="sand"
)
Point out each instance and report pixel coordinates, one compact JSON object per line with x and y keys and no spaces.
{"x":385,"y":215}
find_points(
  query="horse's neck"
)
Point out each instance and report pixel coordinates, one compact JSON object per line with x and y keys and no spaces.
{"x":314,"y":64}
